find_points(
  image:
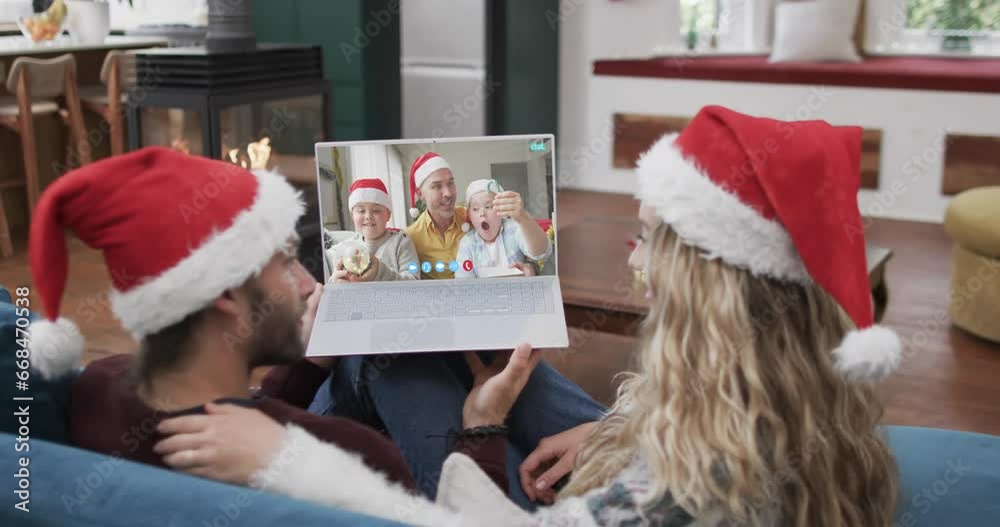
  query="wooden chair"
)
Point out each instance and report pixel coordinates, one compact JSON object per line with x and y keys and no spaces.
{"x":108,"y":98}
{"x":37,"y":84}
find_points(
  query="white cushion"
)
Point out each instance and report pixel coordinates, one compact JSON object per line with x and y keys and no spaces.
{"x":815,"y":31}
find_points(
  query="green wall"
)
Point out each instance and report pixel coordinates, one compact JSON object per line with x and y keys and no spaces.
{"x":363,"y":72}
{"x":528,"y":33}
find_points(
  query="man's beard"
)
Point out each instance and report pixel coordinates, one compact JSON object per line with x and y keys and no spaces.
{"x":277,"y":340}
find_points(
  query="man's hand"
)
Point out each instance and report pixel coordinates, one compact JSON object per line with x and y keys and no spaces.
{"x":308,"y":319}
{"x":495,"y":387}
{"x":525,"y":268}
{"x":553,"y":459}
{"x":510,"y":205}
{"x":229,"y":444}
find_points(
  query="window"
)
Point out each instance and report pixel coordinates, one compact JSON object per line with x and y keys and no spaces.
{"x":976,"y":16}
{"x":699,"y":24}
{"x":950,"y":27}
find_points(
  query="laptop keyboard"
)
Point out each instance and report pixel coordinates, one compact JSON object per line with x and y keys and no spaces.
{"x":447,"y":299}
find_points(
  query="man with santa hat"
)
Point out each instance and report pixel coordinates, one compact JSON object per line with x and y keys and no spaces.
{"x":209,"y":290}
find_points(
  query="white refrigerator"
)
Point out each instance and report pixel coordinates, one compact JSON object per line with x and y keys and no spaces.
{"x":443,"y":68}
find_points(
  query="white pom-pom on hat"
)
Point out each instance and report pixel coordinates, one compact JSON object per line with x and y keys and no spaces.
{"x":55,"y":347}
{"x":466,"y":227}
{"x":414,"y":212}
{"x":869,"y":354}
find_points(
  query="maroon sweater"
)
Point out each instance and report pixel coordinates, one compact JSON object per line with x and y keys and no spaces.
{"x":107,"y":416}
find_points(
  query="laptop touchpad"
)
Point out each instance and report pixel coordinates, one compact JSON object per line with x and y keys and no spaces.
{"x":414,"y":334}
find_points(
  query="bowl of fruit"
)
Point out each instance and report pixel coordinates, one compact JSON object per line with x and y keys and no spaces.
{"x":44,"y":26}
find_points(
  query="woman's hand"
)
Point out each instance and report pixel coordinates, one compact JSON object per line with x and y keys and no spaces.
{"x":229,"y":444}
{"x":495,"y":387}
{"x":509,"y":204}
{"x":553,"y":459}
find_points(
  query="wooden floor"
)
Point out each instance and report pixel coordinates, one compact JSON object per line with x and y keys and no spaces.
{"x":948,"y":379}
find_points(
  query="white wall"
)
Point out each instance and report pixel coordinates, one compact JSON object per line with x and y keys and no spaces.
{"x":190,"y":12}
{"x":591,"y":29}
{"x":913,"y":122}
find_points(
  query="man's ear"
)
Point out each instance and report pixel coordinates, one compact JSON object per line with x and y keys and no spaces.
{"x":228,"y":302}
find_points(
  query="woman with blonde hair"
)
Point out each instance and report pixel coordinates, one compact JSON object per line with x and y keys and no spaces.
{"x":754,"y":402}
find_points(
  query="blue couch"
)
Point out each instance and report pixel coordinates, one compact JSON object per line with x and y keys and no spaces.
{"x":948,"y":477}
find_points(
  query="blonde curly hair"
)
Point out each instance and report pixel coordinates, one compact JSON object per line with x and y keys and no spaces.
{"x":738,"y":407}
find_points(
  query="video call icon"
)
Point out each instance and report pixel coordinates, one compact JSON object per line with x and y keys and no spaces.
{"x":426,"y":267}
{"x":453,"y":266}
{"x":413,"y":268}
{"x":439,"y":266}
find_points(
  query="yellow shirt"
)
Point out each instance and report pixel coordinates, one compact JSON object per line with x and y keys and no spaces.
{"x":432,"y":246}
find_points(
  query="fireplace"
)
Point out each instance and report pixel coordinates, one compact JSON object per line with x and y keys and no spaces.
{"x":263,"y":106}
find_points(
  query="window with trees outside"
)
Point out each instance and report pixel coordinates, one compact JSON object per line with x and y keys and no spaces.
{"x":952,"y":26}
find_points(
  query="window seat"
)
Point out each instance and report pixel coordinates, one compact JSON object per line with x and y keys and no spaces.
{"x":908,"y":73}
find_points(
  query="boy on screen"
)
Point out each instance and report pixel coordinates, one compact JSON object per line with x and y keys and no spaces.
{"x":391,"y":251}
{"x":502,"y":234}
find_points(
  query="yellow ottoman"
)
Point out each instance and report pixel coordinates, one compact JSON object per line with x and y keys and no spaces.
{"x":973,"y":222}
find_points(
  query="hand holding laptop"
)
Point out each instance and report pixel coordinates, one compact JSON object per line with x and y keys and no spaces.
{"x":496,"y":387}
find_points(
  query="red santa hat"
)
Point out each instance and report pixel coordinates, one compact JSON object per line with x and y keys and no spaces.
{"x":370,"y":190}
{"x":176,"y":232}
{"x":779,"y":199}
{"x":421,"y":169}
{"x":477,"y":186}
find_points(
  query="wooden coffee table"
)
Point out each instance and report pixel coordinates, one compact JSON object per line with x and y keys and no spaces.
{"x":598,"y":287}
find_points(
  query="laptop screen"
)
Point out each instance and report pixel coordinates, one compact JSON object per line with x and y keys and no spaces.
{"x":460,"y":209}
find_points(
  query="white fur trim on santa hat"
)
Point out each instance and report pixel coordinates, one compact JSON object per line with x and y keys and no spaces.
{"x":869,"y":355}
{"x":429,"y":167}
{"x":224,"y":261}
{"x":706,"y":216}
{"x":477,"y":186}
{"x":369,"y":195}
{"x":55,"y":348}
{"x":309,"y":469}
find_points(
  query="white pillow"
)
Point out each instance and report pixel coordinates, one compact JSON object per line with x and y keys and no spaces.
{"x":814,"y":31}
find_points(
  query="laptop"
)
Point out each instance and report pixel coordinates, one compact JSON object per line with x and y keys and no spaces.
{"x":449,"y":305}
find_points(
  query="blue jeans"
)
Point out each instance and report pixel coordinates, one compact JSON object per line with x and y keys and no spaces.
{"x":418,"y":398}
{"x":70,"y":487}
